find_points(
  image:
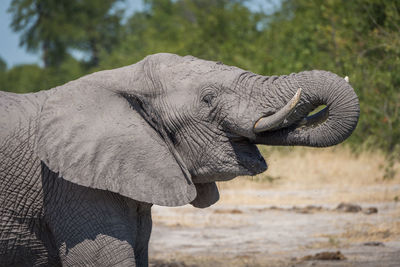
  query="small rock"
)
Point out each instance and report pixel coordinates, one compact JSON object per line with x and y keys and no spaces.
{"x":325,"y":256}
{"x":348,"y":207}
{"x":370,"y":210}
{"x":303,"y":211}
{"x":313,"y":207}
{"x":298,"y":210}
{"x":374,"y":244}
{"x":228,"y":211}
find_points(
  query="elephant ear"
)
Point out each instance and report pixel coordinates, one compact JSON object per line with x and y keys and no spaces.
{"x":92,"y":136}
{"x":207,"y":194}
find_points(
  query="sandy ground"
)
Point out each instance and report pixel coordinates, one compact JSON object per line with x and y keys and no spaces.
{"x":288,"y":215}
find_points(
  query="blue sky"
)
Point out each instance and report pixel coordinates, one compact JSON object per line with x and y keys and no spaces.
{"x":9,"y":49}
{"x":13,"y":54}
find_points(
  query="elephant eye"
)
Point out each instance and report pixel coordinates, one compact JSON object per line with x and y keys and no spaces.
{"x":208,"y":98}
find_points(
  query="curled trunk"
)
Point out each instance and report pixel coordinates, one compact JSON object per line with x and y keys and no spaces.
{"x":330,"y":126}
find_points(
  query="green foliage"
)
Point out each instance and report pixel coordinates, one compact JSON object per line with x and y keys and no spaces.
{"x":210,"y":29}
{"x":97,"y":26}
{"x":24,"y":78}
{"x":32,"y":78}
{"x":359,"y":39}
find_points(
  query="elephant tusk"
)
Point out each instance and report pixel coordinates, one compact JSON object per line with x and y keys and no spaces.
{"x":347,"y":79}
{"x":316,"y":118}
{"x":273,"y":121}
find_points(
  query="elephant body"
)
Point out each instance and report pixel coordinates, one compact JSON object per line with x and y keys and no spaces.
{"x":82,"y":164}
{"x":44,"y":219}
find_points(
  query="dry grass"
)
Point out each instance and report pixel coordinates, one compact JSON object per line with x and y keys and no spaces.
{"x":360,"y":233}
{"x":369,"y":232}
{"x":344,"y":176}
{"x":384,"y":231}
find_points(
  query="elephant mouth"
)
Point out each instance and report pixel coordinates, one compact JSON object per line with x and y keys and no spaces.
{"x":248,"y":155}
{"x":242,"y":158}
{"x":250,"y":158}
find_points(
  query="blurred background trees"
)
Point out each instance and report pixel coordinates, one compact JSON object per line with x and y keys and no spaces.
{"x":360,"y":39}
{"x":57,"y":27}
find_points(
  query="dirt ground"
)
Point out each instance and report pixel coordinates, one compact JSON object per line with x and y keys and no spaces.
{"x":290,"y":216}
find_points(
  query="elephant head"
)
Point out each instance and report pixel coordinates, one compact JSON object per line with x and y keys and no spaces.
{"x":166,"y":128}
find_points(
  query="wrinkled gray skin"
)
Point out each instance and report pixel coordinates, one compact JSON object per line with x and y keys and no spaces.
{"x":81,"y":164}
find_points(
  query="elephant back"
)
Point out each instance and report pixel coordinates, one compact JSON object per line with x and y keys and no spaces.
{"x":19,"y":111}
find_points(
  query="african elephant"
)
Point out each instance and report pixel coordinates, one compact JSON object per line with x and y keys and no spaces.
{"x":82,"y":163}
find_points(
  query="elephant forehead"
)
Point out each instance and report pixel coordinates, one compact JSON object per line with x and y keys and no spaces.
{"x":196,"y":67}
{"x":183,"y":91}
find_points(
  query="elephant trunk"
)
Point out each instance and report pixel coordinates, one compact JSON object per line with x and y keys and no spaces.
{"x":328,"y":127}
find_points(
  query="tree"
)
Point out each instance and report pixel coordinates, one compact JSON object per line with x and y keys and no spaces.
{"x":3,"y":65}
{"x":360,"y":39}
{"x":41,"y":23}
{"x":3,"y":68}
{"x":97,"y":26}
{"x":210,"y":29}
{"x":55,"y":27}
